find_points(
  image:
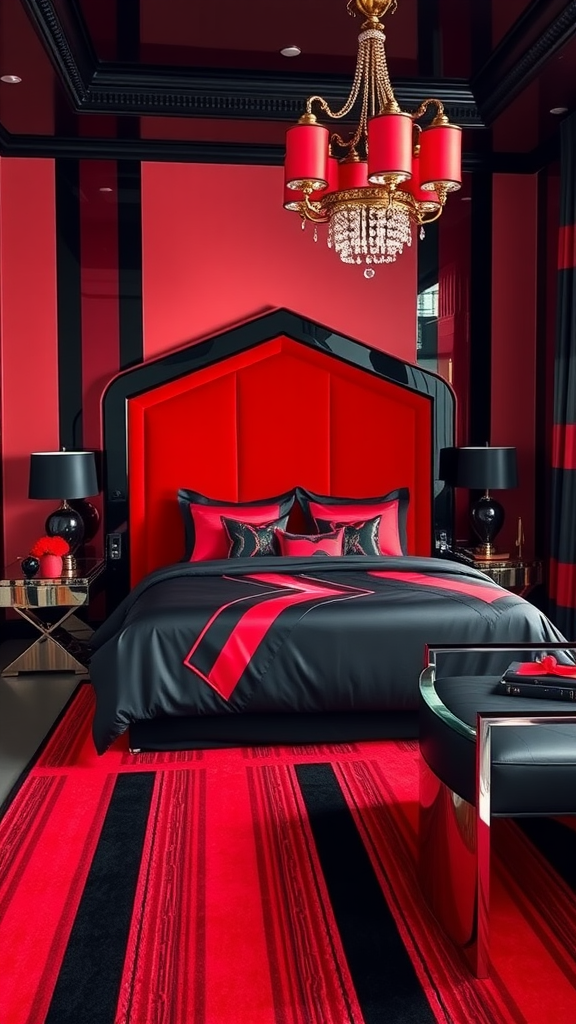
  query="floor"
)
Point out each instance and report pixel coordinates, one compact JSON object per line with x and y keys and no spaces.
{"x":29,"y":705}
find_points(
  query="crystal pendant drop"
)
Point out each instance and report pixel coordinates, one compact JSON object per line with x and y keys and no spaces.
{"x":422,"y":234}
{"x":369,"y":234}
{"x":315,"y":236}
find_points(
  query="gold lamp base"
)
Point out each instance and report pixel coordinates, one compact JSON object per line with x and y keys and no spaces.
{"x":68,"y":566}
{"x":488,"y":553}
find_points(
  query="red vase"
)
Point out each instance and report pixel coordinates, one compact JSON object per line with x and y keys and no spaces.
{"x":50,"y":567}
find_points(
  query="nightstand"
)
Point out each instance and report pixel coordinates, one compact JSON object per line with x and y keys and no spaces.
{"x":56,"y":649}
{"x":520,"y":575}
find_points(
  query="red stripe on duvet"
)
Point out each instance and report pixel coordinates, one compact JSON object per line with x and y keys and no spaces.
{"x":488,"y":592}
{"x":240,"y":647}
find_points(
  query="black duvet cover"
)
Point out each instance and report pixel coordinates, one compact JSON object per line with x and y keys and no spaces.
{"x":293,"y":635}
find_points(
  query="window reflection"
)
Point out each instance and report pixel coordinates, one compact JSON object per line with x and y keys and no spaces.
{"x":427,"y":341}
{"x":427,"y":308}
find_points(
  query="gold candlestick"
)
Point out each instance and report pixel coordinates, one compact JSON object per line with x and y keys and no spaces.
{"x":520,"y":537}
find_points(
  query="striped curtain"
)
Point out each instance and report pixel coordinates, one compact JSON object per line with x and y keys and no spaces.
{"x":563,"y":540}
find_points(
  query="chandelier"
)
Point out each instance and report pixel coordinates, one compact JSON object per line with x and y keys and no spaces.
{"x":391,"y":176}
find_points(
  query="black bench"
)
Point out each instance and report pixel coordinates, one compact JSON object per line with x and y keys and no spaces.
{"x":484,"y":754}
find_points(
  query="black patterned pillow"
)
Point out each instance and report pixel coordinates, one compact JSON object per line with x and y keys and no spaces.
{"x":359,"y":538}
{"x":250,"y":541}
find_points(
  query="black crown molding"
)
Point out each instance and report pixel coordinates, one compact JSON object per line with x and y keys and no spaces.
{"x":516,"y":61}
{"x":278,"y":96}
{"x":65,"y":38}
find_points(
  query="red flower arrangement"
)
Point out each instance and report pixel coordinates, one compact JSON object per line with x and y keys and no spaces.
{"x":50,"y":546}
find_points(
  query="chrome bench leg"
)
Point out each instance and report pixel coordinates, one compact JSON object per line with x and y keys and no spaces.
{"x":455,"y":867}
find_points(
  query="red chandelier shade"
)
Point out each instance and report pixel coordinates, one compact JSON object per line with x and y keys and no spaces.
{"x":333,"y":174}
{"x":389,"y":148}
{"x":441,"y":157}
{"x":307,"y":156}
{"x":293,"y":198}
{"x":415,"y":189}
{"x":352,"y":174}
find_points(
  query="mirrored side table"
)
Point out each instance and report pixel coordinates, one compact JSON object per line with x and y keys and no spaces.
{"x":56,"y":649}
{"x":519,"y":575}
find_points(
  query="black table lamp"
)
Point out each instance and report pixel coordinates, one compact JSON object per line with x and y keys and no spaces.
{"x":483,"y":469}
{"x":68,"y":476}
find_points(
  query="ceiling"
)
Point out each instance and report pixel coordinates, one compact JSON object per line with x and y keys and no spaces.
{"x":181,"y":79}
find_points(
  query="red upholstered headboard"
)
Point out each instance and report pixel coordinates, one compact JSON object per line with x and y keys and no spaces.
{"x":259,"y":421}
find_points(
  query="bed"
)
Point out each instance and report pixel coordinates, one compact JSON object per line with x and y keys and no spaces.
{"x":219,"y":651}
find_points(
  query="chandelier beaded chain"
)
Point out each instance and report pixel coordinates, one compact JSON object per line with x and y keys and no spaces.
{"x":390,"y":175}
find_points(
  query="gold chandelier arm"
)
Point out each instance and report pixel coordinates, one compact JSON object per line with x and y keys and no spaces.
{"x":440,"y":115}
{"x":442,"y":194}
{"x":339,"y":141}
{"x":311,"y":212}
{"x":430,"y":220}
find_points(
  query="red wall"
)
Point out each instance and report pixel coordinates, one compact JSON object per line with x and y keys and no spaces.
{"x":218,"y":247}
{"x":28,"y":340}
{"x":514,"y":273}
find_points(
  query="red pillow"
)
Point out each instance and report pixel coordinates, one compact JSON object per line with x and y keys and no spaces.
{"x":392,"y":509}
{"x":205,"y":534}
{"x":300,"y":545}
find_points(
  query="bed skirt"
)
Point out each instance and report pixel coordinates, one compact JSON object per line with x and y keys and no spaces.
{"x":217,"y":731}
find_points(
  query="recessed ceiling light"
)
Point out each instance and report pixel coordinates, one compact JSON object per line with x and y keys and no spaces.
{"x":558,"y":110}
{"x":105,"y":189}
{"x":10,"y":79}
{"x":291,"y":51}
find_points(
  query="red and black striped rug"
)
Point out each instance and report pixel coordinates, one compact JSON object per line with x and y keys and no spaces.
{"x":259,"y":886}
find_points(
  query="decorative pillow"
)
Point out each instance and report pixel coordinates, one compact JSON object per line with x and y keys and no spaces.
{"x":205,"y":534}
{"x":392,"y":509}
{"x":359,"y":538}
{"x":300,"y":545}
{"x":250,"y":541}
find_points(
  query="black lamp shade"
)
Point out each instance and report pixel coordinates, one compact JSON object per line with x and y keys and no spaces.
{"x":482,"y":468}
{"x":62,"y":475}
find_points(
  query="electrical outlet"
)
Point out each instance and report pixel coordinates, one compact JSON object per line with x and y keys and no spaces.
{"x":114,"y":544}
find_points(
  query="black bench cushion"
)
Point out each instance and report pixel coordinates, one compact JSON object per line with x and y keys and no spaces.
{"x":533,"y":767}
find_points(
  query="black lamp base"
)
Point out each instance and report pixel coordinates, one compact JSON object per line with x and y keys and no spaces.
{"x":90,"y":517}
{"x":67,"y":523}
{"x":487,"y":518}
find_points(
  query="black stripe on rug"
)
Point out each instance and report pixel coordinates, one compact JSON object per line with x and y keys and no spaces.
{"x":89,"y":979}
{"x":386,"y":984}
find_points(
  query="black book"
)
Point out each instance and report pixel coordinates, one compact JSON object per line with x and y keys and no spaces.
{"x":537,"y":684}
